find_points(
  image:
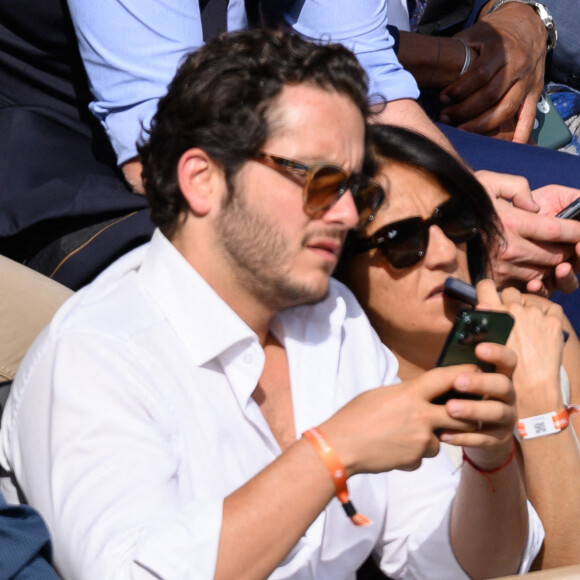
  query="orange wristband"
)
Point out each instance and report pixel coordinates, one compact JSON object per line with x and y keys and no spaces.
{"x":545,"y":424}
{"x":328,"y":456}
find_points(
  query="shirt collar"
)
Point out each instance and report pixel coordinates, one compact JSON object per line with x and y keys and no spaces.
{"x":208,"y":326}
{"x":202,"y":320}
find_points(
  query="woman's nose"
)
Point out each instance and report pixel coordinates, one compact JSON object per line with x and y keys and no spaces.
{"x":441,"y":251}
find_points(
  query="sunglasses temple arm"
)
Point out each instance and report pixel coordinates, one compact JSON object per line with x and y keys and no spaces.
{"x":365,"y":244}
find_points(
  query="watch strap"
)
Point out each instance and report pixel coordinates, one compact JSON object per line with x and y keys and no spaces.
{"x":542,"y":13}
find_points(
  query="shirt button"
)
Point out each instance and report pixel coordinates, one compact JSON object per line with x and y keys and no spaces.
{"x":248,"y":358}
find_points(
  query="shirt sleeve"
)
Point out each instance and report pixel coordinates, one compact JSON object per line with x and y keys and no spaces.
{"x":131,"y":50}
{"x":95,"y":452}
{"x":361,"y":27}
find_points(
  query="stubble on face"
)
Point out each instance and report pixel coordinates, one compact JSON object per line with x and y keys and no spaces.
{"x":261,"y":256}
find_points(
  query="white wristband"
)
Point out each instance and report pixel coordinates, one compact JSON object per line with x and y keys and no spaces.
{"x":542,"y":425}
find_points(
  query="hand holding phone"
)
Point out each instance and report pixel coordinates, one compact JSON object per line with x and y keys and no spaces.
{"x":571,"y":211}
{"x":469,"y":329}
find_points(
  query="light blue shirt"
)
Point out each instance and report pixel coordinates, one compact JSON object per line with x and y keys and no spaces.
{"x":131,"y":50}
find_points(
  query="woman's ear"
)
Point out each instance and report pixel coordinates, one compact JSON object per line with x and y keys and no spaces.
{"x":201,"y":181}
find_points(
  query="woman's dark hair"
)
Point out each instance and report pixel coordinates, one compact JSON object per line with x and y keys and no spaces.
{"x":392,"y":143}
{"x":220,"y":100}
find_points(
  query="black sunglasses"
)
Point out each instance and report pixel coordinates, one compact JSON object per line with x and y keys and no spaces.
{"x":405,"y":242}
{"x":323,"y":185}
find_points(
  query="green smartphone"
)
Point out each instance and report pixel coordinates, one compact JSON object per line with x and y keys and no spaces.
{"x":549,"y":128}
{"x":469,"y":329}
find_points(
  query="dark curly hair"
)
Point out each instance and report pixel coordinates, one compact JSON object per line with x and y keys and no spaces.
{"x":220,"y":100}
{"x":392,"y":143}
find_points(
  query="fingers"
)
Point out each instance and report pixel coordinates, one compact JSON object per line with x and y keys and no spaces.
{"x":482,"y":438}
{"x":535,"y":245}
{"x":478,"y":422}
{"x":512,"y":295}
{"x":504,"y":82}
{"x":480,"y":114}
{"x":544,"y":285}
{"x":525,"y":119}
{"x":504,"y":360}
{"x":494,"y":420}
{"x":468,"y":379}
{"x":487,"y":295}
{"x":544,"y":304}
{"x":537,"y":339}
{"x":537,"y":227}
{"x":485,"y":65}
{"x":538,"y":288}
{"x":512,"y":188}
{"x":565,"y":278}
{"x":440,"y":380}
{"x":485,"y":414}
{"x":540,"y":257}
{"x":553,"y":198}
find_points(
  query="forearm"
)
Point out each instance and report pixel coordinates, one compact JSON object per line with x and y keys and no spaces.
{"x":408,"y":113}
{"x":265,"y":518}
{"x":477,"y":500}
{"x":552,"y":473}
{"x":571,"y":362}
{"x":434,"y":61}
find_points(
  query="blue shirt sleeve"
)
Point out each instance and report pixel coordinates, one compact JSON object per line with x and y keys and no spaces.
{"x":362,"y":27}
{"x":132,"y":48}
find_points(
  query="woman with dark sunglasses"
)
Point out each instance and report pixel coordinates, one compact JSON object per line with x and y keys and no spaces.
{"x":436,"y":222}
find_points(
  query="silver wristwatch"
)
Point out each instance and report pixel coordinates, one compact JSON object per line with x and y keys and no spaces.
{"x":542,"y":12}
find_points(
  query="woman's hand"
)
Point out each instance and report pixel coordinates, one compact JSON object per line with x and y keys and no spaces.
{"x":490,"y":445}
{"x":537,"y":339}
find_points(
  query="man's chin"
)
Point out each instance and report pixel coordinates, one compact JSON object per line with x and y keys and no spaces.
{"x":298,"y":296}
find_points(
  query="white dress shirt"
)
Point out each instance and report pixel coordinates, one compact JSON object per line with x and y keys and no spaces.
{"x":131,"y":418}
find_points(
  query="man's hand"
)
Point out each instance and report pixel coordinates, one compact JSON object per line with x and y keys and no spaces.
{"x":541,"y":254}
{"x":394,"y":427}
{"x":506,"y":75}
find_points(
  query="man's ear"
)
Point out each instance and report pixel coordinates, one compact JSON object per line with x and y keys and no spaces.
{"x":201,"y":180}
